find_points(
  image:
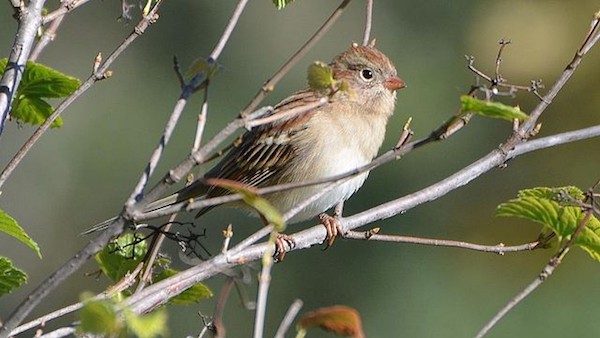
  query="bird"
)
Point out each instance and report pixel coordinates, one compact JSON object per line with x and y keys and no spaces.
{"x":336,"y":137}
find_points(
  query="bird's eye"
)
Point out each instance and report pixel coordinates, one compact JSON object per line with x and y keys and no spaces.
{"x":366,"y":74}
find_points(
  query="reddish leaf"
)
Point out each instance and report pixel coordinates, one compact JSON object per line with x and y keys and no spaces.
{"x":339,"y":319}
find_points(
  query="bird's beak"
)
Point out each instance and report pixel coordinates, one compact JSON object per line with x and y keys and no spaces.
{"x":394,"y":83}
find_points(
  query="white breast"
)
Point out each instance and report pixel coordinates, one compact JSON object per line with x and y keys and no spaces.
{"x":336,"y":147}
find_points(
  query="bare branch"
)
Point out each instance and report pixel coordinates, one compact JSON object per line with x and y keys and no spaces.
{"x":29,"y":22}
{"x":227,"y":32}
{"x":288,"y":319}
{"x":63,"y":10}
{"x":368,"y":22}
{"x":500,"y":249}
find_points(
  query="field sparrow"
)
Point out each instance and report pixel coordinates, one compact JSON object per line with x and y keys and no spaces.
{"x":339,"y":136}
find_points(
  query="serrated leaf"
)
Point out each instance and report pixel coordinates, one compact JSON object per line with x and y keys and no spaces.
{"x":320,"y":76}
{"x":491,"y":109}
{"x":42,"y":81}
{"x":562,"y":195}
{"x":99,"y":317}
{"x":200,"y":65}
{"x":149,"y":325}
{"x":340,"y":319}
{"x":33,"y":110}
{"x":39,"y":82}
{"x":121,"y":256}
{"x":251,"y":198}
{"x":559,"y":210}
{"x":190,"y":296}
{"x":11,"y":277}
{"x":10,"y":226}
{"x":281,"y":3}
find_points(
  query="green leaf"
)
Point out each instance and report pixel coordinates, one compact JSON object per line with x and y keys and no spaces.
{"x":10,"y":226}
{"x":320,"y":76}
{"x":251,"y":198}
{"x":10,"y":276}
{"x":42,"y":81}
{"x":121,"y":256}
{"x":149,"y":325}
{"x":34,"y":110}
{"x":100,"y":317}
{"x":190,"y":296}
{"x":39,"y":82}
{"x":491,"y":109}
{"x":561,"y":194}
{"x":559,"y":210}
{"x":281,"y":3}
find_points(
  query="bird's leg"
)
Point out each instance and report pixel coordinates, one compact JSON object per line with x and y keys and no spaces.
{"x":332,"y":225}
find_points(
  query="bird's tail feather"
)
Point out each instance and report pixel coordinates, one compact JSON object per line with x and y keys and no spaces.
{"x":99,"y":227}
{"x":161,"y":203}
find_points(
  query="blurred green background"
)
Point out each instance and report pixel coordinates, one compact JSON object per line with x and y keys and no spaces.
{"x":83,"y":173}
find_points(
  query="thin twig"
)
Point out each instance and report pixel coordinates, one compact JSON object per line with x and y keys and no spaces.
{"x":220,"y":307}
{"x":157,"y":241}
{"x":60,"y":332}
{"x":288,"y":319}
{"x":201,"y":121}
{"x":49,"y":34}
{"x":264,"y":281}
{"x":500,"y":249}
{"x":237,"y":12}
{"x":288,"y":114}
{"x":227,"y":235}
{"x":368,"y":22}
{"x":62,"y":11}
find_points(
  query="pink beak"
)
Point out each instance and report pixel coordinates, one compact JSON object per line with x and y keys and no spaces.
{"x":394,"y":83}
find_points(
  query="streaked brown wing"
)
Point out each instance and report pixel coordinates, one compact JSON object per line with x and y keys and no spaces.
{"x":265,"y":150}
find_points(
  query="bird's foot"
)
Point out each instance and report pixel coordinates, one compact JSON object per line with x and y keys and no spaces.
{"x":333,"y":228}
{"x":280,"y":246}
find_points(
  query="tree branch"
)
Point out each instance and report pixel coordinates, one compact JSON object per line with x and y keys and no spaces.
{"x":29,"y":22}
